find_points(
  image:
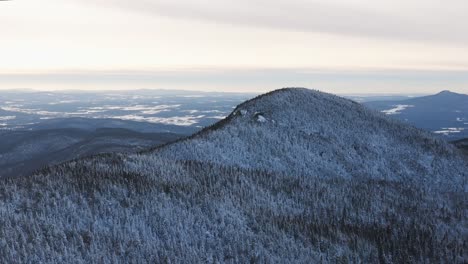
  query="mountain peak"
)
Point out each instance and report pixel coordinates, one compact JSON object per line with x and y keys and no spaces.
{"x":447,"y":92}
{"x":292,"y":106}
{"x":291,"y":100}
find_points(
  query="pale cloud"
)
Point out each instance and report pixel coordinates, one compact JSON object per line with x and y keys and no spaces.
{"x":421,"y":20}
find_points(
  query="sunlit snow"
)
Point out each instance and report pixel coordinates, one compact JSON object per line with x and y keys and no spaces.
{"x":449,"y":130}
{"x":397,"y":109}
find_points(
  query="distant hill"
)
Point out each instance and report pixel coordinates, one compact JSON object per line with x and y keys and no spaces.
{"x":22,"y":152}
{"x":292,"y":176}
{"x":445,"y":113}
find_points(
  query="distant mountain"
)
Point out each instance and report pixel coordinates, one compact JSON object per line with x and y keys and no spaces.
{"x":292,"y":176}
{"x":22,"y":152}
{"x":445,"y":113}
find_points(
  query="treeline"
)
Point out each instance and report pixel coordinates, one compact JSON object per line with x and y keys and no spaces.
{"x":144,"y":209}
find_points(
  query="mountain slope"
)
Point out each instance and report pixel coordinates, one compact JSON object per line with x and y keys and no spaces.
{"x":445,"y":113}
{"x":232,"y":193}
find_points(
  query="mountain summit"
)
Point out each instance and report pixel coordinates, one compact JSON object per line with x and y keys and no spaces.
{"x":448,"y":92}
{"x":292,"y":176}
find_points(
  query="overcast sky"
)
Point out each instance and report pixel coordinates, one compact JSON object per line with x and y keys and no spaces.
{"x":341,"y":46}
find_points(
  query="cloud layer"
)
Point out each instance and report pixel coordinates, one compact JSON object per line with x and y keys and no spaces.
{"x":418,"y":20}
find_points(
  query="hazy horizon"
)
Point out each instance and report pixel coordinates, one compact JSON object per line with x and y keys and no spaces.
{"x":196,"y":92}
{"x":337,"y":46}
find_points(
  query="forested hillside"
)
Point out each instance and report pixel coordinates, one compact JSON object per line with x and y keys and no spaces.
{"x":292,"y":176}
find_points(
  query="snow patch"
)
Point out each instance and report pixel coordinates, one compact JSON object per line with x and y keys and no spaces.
{"x":175,"y":120}
{"x":6,"y":118}
{"x":396,"y":110}
{"x":261,"y":119}
{"x":449,"y":130}
{"x":64,"y":102}
{"x":218,"y":117}
{"x":143,"y":108}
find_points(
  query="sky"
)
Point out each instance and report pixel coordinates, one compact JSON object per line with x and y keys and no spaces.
{"x":339,"y":46}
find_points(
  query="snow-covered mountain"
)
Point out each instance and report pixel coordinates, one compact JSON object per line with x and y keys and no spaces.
{"x":300,"y":131}
{"x":292,"y":176}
